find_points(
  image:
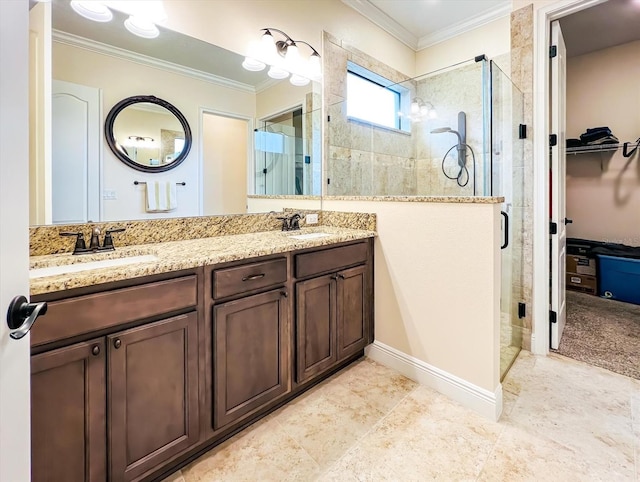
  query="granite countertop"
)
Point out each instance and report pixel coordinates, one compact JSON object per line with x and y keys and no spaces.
{"x":178,"y":255}
{"x":421,"y":199}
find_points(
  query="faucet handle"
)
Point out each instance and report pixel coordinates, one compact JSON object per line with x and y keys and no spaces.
{"x":294,"y":221}
{"x":80,"y":244}
{"x":108,"y":240}
{"x":285,"y":223}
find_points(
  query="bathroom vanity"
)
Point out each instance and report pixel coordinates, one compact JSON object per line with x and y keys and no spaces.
{"x":134,"y":377}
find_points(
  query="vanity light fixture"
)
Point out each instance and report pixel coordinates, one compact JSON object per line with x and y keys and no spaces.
{"x":141,"y":141}
{"x":143,"y":14}
{"x":419,"y":109}
{"x":284,"y":59}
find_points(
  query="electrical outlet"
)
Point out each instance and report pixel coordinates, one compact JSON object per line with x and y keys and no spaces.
{"x":311,"y":219}
{"x":109,"y":195}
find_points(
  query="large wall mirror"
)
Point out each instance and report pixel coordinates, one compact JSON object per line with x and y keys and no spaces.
{"x":238,"y":119}
{"x":147,"y":133}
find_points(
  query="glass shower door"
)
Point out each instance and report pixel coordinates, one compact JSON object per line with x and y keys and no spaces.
{"x":507,"y":154}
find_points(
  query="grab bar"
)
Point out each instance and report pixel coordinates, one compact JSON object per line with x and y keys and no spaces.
{"x":144,"y":182}
{"x":506,"y":230}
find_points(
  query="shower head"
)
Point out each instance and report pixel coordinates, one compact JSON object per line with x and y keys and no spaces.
{"x":440,"y":130}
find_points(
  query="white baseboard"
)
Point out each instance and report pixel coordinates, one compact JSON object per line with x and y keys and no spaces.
{"x":484,"y":402}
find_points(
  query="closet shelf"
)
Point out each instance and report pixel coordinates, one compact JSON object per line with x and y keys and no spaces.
{"x":600,"y":148}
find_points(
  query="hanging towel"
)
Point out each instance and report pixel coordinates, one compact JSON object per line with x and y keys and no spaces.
{"x":161,"y":196}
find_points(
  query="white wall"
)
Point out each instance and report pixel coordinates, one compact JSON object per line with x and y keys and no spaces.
{"x":224,"y":164}
{"x":187,"y":94}
{"x":437,"y":283}
{"x":492,"y":39}
{"x":603,"y":190}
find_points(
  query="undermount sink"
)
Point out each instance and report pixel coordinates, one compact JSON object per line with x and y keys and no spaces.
{"x":309,"y":235}
{"x":77,"y":267}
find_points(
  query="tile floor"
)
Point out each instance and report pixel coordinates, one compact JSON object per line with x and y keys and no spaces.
{"x":563,"y":420}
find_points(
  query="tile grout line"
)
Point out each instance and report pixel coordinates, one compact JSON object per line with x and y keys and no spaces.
{"x":371,"y":430}
{"x":284,"y":430}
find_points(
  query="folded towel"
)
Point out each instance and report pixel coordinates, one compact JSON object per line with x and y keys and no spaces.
{"x":594,"y":134}
{"x":161,"y":196}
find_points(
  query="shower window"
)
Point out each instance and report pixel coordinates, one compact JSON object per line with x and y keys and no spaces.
{"x":370,"y":99}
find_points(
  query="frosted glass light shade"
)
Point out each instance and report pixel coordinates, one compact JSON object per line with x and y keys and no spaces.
{"x":315,"y":68}
{"x":299,"y":80}
{"x":253,"y":65}
{"x":141,"y":27}
{"x":277,"y":73}
{"x":93,"y":10}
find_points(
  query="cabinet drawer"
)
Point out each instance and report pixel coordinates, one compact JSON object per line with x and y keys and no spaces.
{"x":332,"y":259}
{"x":248,"y":277}
{"x":84,"y":314}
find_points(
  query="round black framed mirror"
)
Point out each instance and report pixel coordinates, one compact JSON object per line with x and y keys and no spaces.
{"x":147,"y":133}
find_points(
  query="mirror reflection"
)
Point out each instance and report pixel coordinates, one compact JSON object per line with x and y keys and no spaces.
{"x":148,"y":134}
{"x":96,"y":65}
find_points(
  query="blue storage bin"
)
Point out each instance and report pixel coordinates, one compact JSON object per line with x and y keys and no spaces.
{"x":619,"y":278}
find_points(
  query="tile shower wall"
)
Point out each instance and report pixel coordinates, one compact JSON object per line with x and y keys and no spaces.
{"x":364,"y":160}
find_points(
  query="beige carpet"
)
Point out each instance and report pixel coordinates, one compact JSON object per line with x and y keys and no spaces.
{"x":603,"y":333}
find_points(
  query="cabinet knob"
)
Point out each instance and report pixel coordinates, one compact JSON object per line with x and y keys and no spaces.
{"x":117,"y":343}
{"x":284,"y":294}
{"x":95,"y":350}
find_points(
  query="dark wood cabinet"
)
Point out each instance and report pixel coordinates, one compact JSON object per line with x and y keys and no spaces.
{"x":68,"y":408}
{"x":131,"y":379}
{"x":251,"y":352}
{"x":153,"y":394}
{"x":315,"y":326}
{"x":333,"y":312}
{"x":353,"y":311}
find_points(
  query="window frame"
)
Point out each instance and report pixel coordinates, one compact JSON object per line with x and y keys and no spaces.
{"x":402,"y":97}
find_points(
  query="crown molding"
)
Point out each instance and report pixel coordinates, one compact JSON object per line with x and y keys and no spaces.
{"x":382,"y":20}
{"x":465,"y":26}
{"x":386,"y":23}
{"x":116,"y":52}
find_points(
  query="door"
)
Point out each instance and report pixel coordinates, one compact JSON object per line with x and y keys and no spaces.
{"x":352,"y":311}
{"x":315,"y":326}
{"x":14,"y":252}
{"x":75,"y":160}
{"x":251,"y":355}
{"x":558,"y":181}
{"x":68,"y":425}
{"x":153,"y":394}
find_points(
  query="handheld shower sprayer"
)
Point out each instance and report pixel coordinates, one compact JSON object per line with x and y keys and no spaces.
{"x":462,"y":151}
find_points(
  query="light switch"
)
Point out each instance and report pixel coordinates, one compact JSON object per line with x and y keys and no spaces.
{"x":109,"y":195}
{"x":311,"y":219}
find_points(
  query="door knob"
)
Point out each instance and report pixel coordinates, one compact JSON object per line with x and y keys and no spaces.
{"x":567,"y":221}
{"x":22,"y":315}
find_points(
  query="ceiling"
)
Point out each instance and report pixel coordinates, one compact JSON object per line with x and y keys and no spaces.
{"x":606,"y":25}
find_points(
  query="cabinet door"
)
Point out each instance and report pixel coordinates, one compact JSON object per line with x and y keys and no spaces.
{"x":68,"y":440}
{"x":251,"y":355}
{"x":153,"y":394}
{"x":352,"y":311}
{"x":316,"y":326}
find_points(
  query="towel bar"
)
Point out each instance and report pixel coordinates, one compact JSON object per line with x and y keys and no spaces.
{"x":144,"y":182}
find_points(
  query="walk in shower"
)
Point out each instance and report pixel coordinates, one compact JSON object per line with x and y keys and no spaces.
{"x":453,"y":132}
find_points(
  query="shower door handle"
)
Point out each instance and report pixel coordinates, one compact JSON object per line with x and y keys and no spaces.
{"x":506,"y":230}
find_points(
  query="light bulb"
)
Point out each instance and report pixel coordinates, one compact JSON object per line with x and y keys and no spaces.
{"x":141,"y":27}
{"x":433,"y":114}
{"x":299,"y":80}
{"x":268,"y":45}
{"x":415,"y":107}
{"x":93,"y":10}
{"x":277,"y":73}
{"x":253,"y":65}
{"x":292,"y":58}
{"x":315,"y":67}
{"x":424,"y":110}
